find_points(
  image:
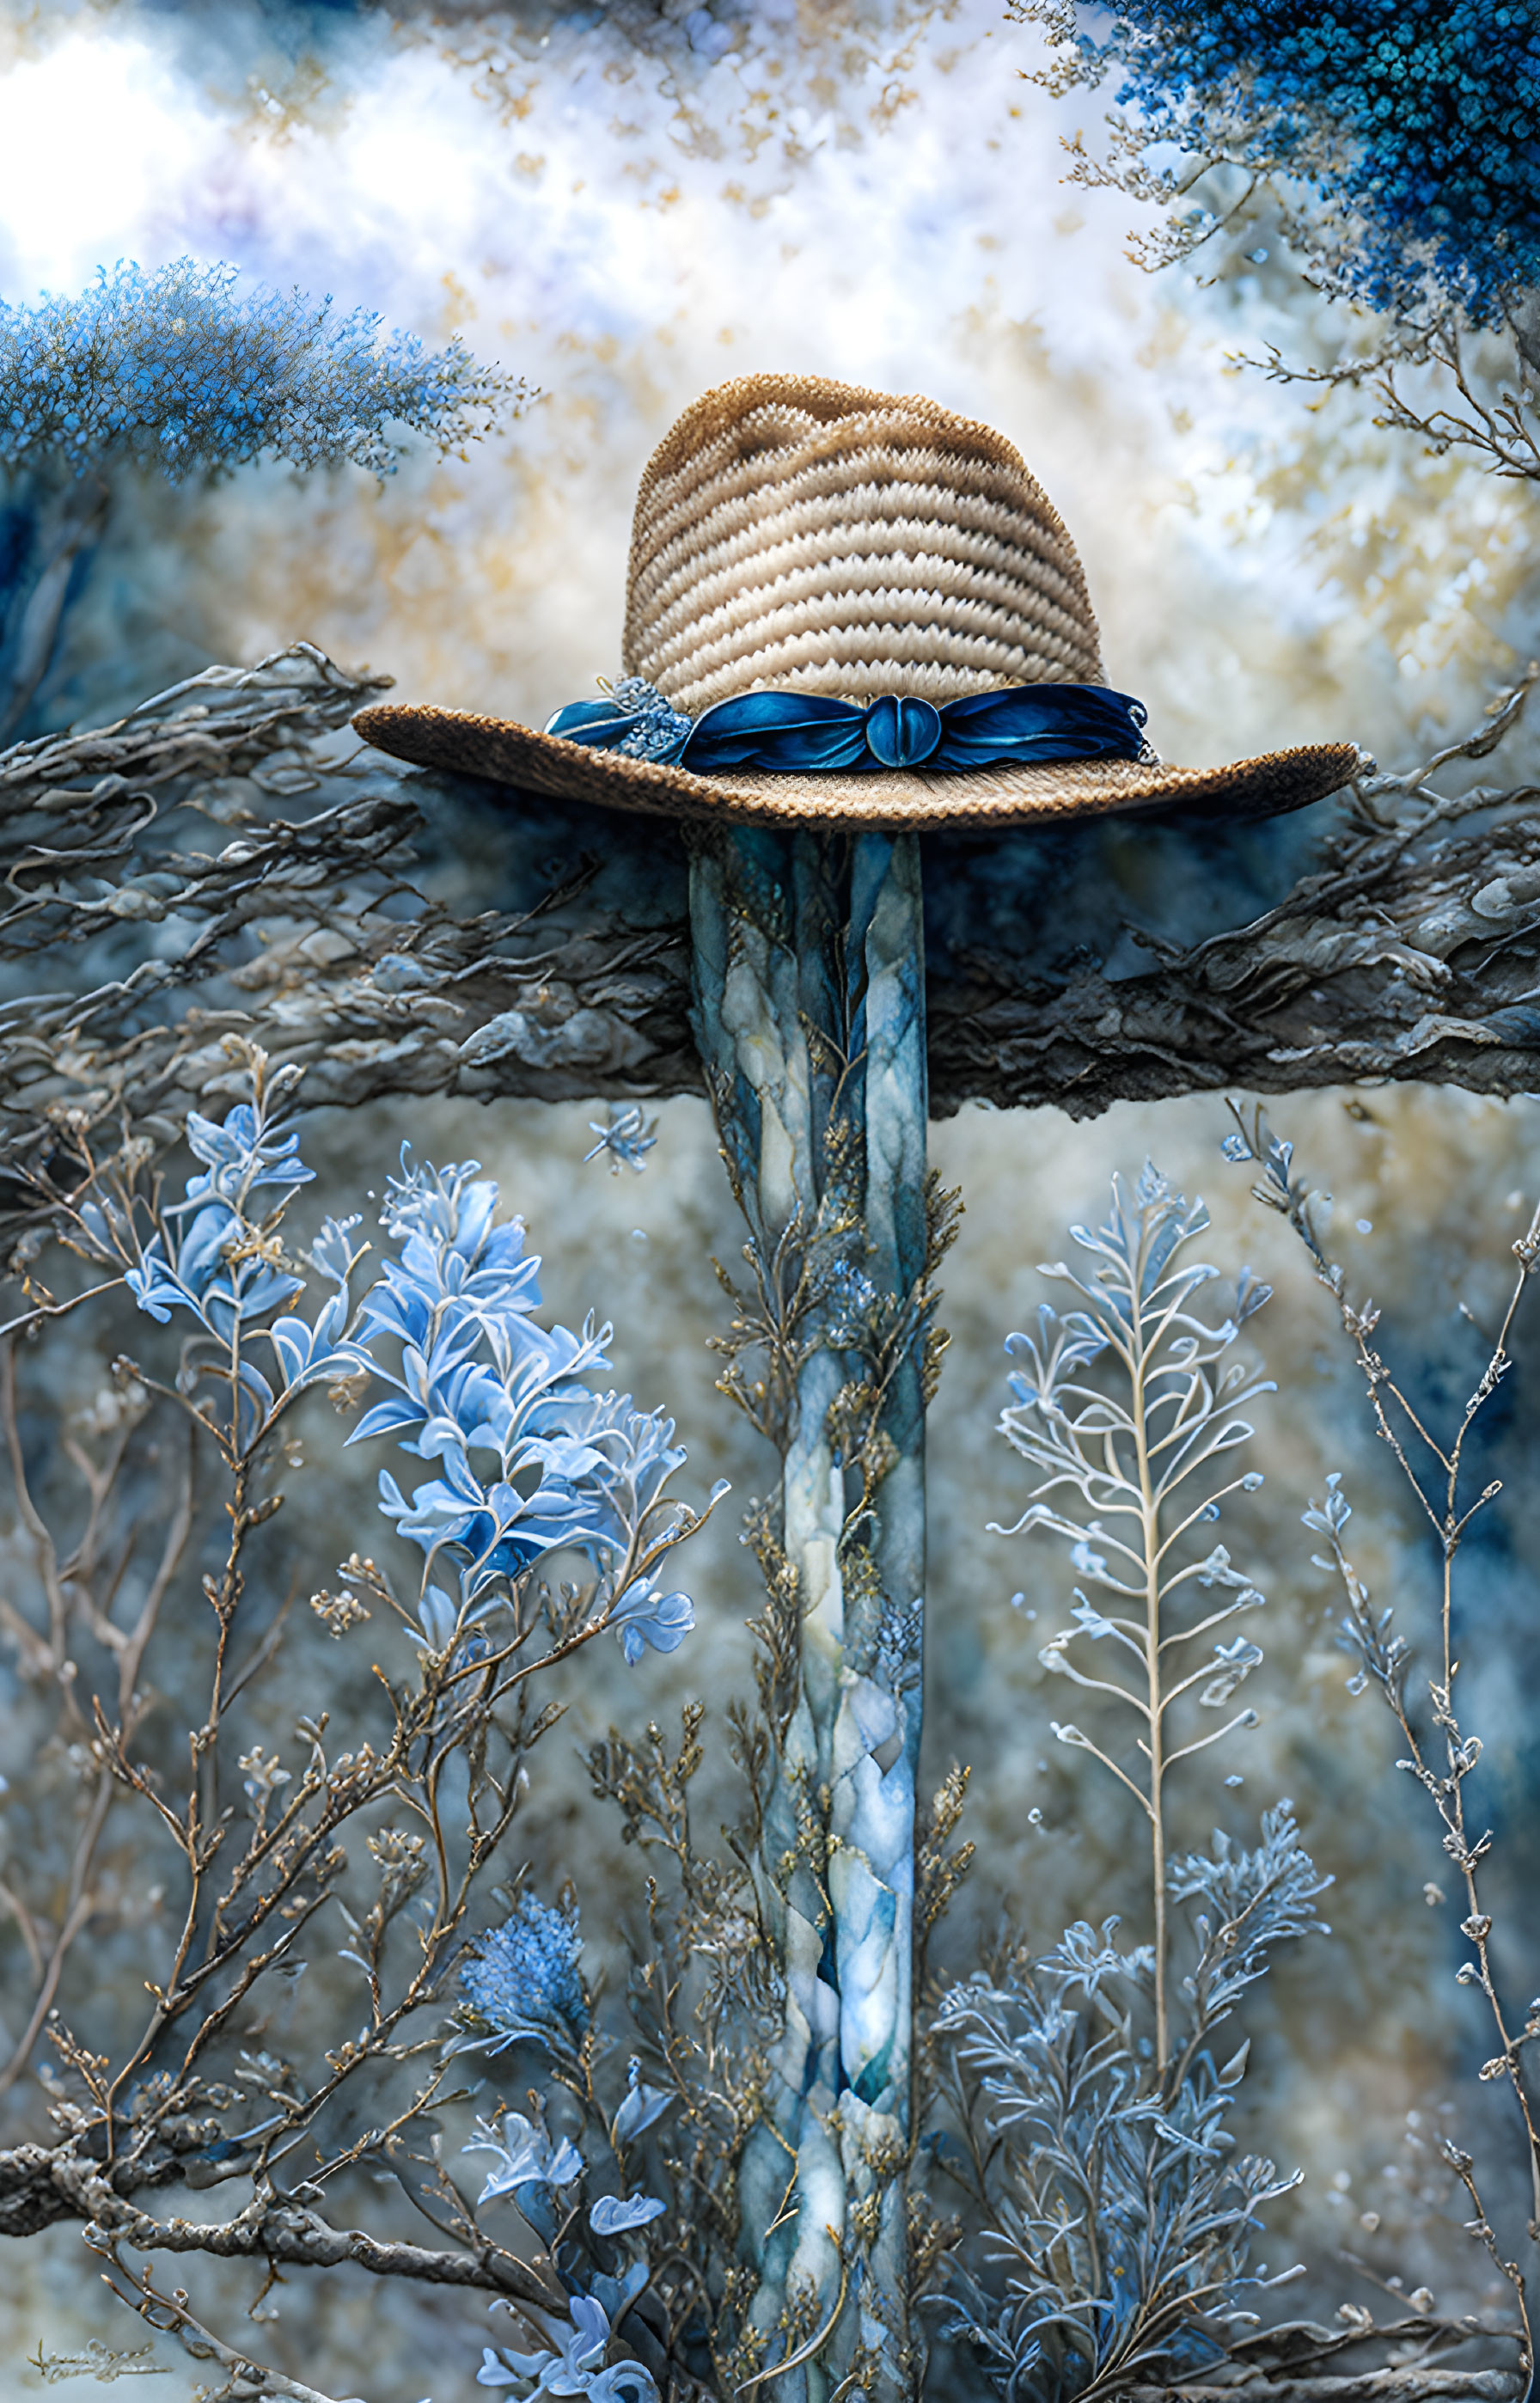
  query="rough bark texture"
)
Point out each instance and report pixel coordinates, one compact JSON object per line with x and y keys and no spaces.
{"x":402,"y":932}
{"x":1405,"y":952}
{"x":40,"y":2184}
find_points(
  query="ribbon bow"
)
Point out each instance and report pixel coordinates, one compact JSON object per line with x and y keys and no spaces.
{"x":786,"y":732}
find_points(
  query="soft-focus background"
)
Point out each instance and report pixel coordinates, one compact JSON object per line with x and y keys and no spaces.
{"x":625,"y":206}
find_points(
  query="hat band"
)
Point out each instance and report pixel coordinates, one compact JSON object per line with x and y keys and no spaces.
{"x":785,"y":732}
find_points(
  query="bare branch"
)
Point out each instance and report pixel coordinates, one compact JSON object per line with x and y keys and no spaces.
{"x":1409,"y":948}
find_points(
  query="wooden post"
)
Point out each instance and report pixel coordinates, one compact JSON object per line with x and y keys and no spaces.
{"x":809,"y":995}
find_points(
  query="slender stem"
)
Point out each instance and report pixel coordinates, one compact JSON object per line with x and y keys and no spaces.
{"x":1294,"y":1199}
{"x":1149,"y":1507}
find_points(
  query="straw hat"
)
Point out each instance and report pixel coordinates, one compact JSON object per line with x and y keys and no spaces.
{"x":827,"y":549}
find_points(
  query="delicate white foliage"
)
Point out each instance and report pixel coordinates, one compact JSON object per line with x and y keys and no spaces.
{"x":1128,"y":1406}
{"x":1105,"y":2172}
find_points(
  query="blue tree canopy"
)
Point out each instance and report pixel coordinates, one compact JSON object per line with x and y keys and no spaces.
{"x":171,"y":370}
{"x":1412,"y":121}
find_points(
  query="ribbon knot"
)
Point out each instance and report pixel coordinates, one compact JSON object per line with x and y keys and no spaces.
{"x":902,"y":732}
{"x":1024,"y":724}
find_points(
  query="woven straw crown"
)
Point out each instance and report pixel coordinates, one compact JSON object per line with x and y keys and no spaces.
{"x":805,"y":534}
{"x":800,"y":536}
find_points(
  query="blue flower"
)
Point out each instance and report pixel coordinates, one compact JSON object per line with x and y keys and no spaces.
{"x":526,"y":1456}
{"x":642,"y":1616}
{"x":529,"y":1457}
{"x":525,"y":2156}
{"x":304,"y":1353}
{"x":640,"y":2106}
{"x":522,"y":1982}
{"x":627,"y":1138}
{"x":213,"y":1257}
{"x":577,"y":2368}
{"x":610,"y":2216}
{"x":210,"y":1258}
{"x":241,"y":1154}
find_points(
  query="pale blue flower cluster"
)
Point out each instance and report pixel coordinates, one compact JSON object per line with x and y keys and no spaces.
{"x":474,"y":1374}
{"x":170,"y":370}
{"x":213,"y":1257}
{"x":542,"y":2177}
{"x":576,"y":2369}
{"x":529,"y":2168}
{"x":529,"y":1459}
{"x":525,"y":2156}
{"x":198,"y":1261}
{"x":522,"y":1983}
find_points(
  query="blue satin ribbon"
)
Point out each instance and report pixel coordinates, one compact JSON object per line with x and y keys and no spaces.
{"x":787,"y":732}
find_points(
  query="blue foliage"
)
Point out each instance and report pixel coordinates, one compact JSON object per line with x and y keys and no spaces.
{"x":529,"y":1457}
{"x":1415,"y":118}
{"x":212,"y":1256}
{"x":625,"y":1139}
{"x":1121,"y":2214}
{"x":546,"y":2179}
{"x":525,"y":2156}
{"x":641,"y":2105}
{"x":526,"y":1457}
{"x":1105,"y":2173}
{"x":643,"y":1617}
{"x":1248,"y":1901}
{"x":473,"y":1373}
{"x":1369,"y":1634}
{"x":522,"y":1982}
{"x":200,"y":1265}
{"x":577,"y":2368}
{"x":170,"y":370}
{"x":610,"y":2216}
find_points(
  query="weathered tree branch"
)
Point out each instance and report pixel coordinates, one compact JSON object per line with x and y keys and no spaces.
{"x":1413,"y":958}
{"x":40,"y":2184}
{"x":406,"y":932}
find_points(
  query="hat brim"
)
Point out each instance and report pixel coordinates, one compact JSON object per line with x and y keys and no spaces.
{"x":507,"y":753}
